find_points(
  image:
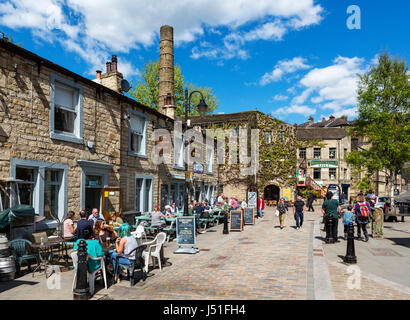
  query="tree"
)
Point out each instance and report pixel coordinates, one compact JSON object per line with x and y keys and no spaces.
{"x":383,"y":121}
{"x":146,"y":89}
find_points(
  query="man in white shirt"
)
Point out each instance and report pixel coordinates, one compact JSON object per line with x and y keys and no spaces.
{"x":95,"y":215}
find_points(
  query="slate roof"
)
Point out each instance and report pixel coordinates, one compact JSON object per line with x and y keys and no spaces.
{"x":320,"y":133}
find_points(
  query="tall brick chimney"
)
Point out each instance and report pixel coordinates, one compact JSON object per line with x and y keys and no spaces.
{"x":166,"y":104}
{"x":112,"y":78}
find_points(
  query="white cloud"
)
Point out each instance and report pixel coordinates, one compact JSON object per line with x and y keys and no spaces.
{"x":280,"y":97}
{"x":294,"y":109}
{"x":335,"y":85}
{"x":282,"y":68}
{"x":101,"y":26}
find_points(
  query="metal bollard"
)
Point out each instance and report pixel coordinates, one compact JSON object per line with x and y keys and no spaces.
{"x":329,"y":231}
{"x":350,"y":252}
{"x":81,"y":289}
{"x":225,"y":231}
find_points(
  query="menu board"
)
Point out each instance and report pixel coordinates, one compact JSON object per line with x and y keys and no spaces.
{"x":252,"y":199}
{"x":236,"y":221}
{"x":185,"y":230}
{"x":249,"y":215}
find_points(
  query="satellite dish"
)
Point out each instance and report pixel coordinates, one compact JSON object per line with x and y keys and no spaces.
{"x":125,"y":86}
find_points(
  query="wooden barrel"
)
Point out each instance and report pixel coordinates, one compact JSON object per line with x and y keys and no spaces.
{"x":7,"y":269}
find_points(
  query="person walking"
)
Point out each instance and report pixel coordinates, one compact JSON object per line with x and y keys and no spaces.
{"x":261,"y":206}
{"x":298,"y":211}
{"x":362,"y":212}
{"x":310,"y":199}
{"x":331,"y":210}
{"x":283,"y":209}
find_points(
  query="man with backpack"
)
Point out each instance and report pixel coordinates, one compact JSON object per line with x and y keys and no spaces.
{"x":362,"y":212}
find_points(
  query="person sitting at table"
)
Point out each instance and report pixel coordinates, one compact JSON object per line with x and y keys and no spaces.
{"x":82,"y":224}
{"x":174,"y":208}
{"x":156,"y":218}
{"x":168,"y":212}
{"x":206,"y":205}
{"x":94,"y":249}
{"x":243,"y":204}
{"x":191,"y":210}
{"x":102,"y":232}
{"x":95,"y":215}
{"x":116,"y":219}
{"x":123,"y":246}
{"x":68,"y":227}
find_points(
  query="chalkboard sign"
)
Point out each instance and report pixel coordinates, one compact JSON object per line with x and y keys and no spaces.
{"x":236,"y":220}
{"x":185,"y":231}
{"x":249,"y":215}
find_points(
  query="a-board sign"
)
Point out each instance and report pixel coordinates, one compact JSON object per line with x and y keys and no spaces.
{"x":236,"y":220}
{"x":185,"y":230}
{"x":249,"y":215}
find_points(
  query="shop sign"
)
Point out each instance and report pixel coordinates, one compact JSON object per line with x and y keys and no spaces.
{"x":324,"y":163}
{"x":198,"y":168}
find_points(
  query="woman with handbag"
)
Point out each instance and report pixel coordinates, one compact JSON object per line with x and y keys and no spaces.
{"x":281,"y":211}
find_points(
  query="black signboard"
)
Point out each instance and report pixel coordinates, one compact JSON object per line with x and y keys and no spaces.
{"x":185,"y":230}
{"x":249,"y":215}
{"x":236,"y":220}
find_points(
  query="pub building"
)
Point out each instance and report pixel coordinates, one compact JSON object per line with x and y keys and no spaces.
{"x":71,"y":143}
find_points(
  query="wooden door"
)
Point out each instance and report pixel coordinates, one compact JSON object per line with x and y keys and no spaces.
{"x":111,"y":202}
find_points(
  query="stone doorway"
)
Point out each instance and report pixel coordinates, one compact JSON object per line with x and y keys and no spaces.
{"x":271,"y":192}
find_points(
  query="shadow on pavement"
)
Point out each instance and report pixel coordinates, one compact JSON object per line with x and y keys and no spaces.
{"x":4,"y":286}
{"x":405,"y":242}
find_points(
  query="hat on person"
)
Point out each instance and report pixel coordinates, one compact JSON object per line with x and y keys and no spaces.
{"x":156,"y":207}
{"x":167,"y":207}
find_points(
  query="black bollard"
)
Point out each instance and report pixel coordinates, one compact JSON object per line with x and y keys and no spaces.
{"x":350,"y":252}
{"x":226,"y":231}
{"x":81,"y":289}
{"x":330,"y":225}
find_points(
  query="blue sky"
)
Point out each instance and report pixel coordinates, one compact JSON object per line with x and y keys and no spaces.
{"x":287,"y":58}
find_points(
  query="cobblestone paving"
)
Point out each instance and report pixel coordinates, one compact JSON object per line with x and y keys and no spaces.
{"x":261,"y":262}
{"x":367,"y":289}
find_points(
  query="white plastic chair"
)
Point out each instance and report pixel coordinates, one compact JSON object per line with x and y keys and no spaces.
{"x":154,"y":250}
{"x":139,"y":232}
{"x":91,"y":276}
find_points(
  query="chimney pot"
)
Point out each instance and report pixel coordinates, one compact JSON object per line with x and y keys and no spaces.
{"x":114,"y":63}
{"x":323,"y":119}
{"x":99,"y":74}
{"x":108,"y":64}
{"x":331,"y":117}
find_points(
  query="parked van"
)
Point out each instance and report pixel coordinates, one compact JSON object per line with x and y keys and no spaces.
{"x":335,"y":189}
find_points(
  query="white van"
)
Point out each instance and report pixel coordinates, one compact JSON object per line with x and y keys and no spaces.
{"x":334,"y":188}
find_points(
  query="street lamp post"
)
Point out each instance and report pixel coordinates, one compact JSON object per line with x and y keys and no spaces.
{"x":202,"y":108}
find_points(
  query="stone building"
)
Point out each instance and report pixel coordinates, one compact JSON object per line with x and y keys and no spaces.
{"x":322,"y":163}
{"x":274,"y":175}
{"x":71,"y":143}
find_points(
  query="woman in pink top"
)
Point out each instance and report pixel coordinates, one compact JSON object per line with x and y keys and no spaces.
{"x":68,"y":226}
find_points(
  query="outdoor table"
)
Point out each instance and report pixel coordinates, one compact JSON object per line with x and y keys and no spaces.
{"x":45,"y":248}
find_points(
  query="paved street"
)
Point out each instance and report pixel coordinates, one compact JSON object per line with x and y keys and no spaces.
{"x":262,"y":262}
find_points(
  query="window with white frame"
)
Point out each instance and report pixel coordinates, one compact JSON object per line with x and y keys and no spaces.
{"x":143,"y":193}
{"x":178,"y":152}
{"x":316,"y":153}
{"x":332,"y":153}
{"x":332,"y":173}
{"x":209,"y":159}
{"x":268,"y":136}
{"x":138,"y":134}
{"x":302,"y":153}
{"x":66,"y":110}
{"x":281,"y":135}
{"x":52,"y":185}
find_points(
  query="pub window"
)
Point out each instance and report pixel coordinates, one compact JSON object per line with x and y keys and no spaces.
{"x":317,"y":173}
{"x":66,"y":110}
{"x":26,"y":188}
{"x":143,"y":194}
{"x":332,"y":173}
{"x":316,"y":153}
{"x":302,"y":153}
{"x":52,"y":185}
{"x":138,"y":131}
{"x":332,"y":153}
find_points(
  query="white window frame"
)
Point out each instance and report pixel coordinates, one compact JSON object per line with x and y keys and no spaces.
{"x":320,"y":153}
{"x":332,"y":177}
{"x":331,"y":150}
{"x":267,"y":136}
{"x":209,"y":160}
{"x":142,"y":193}
{"x":77,"y":136}
{"x":143,"y":152}
{"x":179,"y":152}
